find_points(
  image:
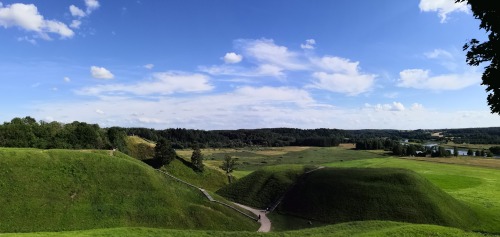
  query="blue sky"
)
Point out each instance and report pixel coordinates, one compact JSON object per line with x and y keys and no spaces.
{"x":227,"y":64}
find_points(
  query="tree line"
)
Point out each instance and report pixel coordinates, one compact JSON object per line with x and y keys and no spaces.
{"x":27,"y":132}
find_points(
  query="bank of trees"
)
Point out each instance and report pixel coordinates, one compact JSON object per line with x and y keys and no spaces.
{"x":27,"y":132}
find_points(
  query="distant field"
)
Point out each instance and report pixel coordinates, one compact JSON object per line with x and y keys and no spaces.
{"x":464,"y":160}
{"x":250,"y":159}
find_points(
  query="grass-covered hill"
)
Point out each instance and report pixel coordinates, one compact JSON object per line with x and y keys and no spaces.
{"x":352,"y":229}
{"x":262,"y":188}
{"x":56,"y":190}
{"x":336,"y":195}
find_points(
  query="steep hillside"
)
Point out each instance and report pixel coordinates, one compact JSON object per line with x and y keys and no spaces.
{"x":262,"y":188}
{"x":337,"y":195}
{"x":55,"y":190}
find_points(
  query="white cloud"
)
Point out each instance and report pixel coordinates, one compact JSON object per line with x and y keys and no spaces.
{"x":91,"y":5}
{"x":421,"y":79}
{"x":76,"y":12}
{"x":443,"y":7}
{"x":99,"y":111}
{"x":341,"y":75}
{"x":66,"y":79}
{"x":27,"y":17}
{"x":232,"y":58}
{"x":101,"y":73}
{"x":149,"y":66}
{"x":309,"y":44}
{"x":161,"y":84}
{"x":343,"y":83}
{"x":265,"y":51}
{"x":439,"y":54}
{"x":75,"y":24}
{"x":395,"y":106}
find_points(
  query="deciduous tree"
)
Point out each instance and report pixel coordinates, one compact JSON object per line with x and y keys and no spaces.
{"x":197,"y":159}
{"x":488,"y":12}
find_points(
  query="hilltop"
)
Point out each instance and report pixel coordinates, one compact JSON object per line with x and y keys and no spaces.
{"x":56,"y":190}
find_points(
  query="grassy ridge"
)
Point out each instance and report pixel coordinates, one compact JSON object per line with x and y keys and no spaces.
{"x":263,"y":187}
{"x":209,"y":179}
{"x":340,"y":195}
{"x":355,"y":229}
{"x":55,"y":190}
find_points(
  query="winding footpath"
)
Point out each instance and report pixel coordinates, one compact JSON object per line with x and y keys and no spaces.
{"x":265,"y":223}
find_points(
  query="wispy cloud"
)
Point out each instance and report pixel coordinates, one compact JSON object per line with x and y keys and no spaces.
{"x":442,"y":7}
{"x":423,"y":79}
{"x":161,"y":84}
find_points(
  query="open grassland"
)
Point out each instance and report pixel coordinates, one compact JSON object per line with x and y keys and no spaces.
{"x":56,"y":190}
{"x":463,"y":160}
{"x":355,"y":229}
{"x":474,"y":147}
{"x":250,"y":159}
{"x":478,"y":187}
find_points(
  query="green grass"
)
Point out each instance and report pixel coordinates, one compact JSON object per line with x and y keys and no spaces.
{"x":263,"y":187}
{"x":209,"y":179}
{"x":250,"y":159}
{"x":56,"y":190}
{"x":478,"y":187}
{"x":336,"y":195}
{"x":355,"y":229}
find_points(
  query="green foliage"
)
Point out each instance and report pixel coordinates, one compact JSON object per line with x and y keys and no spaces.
{"x":487,"y":52}
{"x":228,"y":164}
{"x":56,"y":190}
{"x":495,"y":150}
{"x":164,"y":153}
{"x":197,"y":159}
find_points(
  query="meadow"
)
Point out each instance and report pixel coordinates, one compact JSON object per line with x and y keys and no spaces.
{"x":474,"y":183}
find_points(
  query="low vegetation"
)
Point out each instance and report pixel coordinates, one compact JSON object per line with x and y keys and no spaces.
{"x":355,"y":229}
{"x":57,"y":190}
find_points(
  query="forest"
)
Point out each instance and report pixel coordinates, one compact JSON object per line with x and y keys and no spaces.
{"x":28,"y":132}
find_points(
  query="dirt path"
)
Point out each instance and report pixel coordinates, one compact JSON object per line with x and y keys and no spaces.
{"x":265,"y":223}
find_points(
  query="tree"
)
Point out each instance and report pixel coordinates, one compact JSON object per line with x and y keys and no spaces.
{"x":164,"y":153}
{"x":470,"y":152}
{"x":197,"y":159}
{"x":228,"y":165}
{"x":488,"y":12}
{"x":455,"y":151}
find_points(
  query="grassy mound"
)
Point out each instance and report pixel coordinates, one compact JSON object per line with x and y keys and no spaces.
{"x":337,"y":195}
{"x":365,"y":228}
{"x":263,"y":187}
{"x":55,"y":190}
{"x":209,"y":179}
